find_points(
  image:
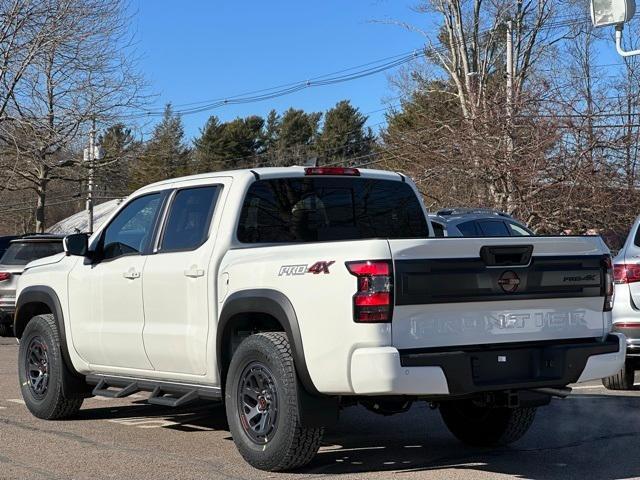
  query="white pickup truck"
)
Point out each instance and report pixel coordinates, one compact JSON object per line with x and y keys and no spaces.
{"x":290,"y":293}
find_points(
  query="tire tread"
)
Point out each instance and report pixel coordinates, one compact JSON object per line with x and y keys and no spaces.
{"x":61,"y":407}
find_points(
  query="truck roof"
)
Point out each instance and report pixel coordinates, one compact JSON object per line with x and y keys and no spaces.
{"x":274,"y":172}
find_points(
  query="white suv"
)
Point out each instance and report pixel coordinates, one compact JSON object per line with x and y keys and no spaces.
{"x":292,"y":292}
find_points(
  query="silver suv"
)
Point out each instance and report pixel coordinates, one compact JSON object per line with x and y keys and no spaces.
{"x":479,"y":222}
{"x":20,"y":252}
{"x":626,"y":308}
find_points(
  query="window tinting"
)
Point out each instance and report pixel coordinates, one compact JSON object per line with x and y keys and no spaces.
{"x":325,"y":209}
{"x":130,"y":230}
{"x":189,"y":218}
{"x":438,"y":229}
{"x":517,"y":230}
{"x":493,"y":228}
{"x":469,"y":229}
{"x":21,"y":253}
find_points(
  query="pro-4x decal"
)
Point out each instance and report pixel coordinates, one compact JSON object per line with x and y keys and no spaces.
{"x":316,"y":268}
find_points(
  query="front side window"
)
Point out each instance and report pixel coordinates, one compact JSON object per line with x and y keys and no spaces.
{"x":129,"y":232}
{"x":313,"y":209}
{"x":189,"y":218}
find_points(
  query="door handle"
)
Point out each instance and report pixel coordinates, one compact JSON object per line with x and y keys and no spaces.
{"x":131,"y":274}
{"x":194,"y":272}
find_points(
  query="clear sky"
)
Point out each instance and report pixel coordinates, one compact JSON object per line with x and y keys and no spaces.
{"x":194,"y":50}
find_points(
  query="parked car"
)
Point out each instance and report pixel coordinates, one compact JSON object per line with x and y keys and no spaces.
{"x":470,"y":222}
{"x":295,"y":291}
{"x":626,"y":309}
{"x":20,"y":251}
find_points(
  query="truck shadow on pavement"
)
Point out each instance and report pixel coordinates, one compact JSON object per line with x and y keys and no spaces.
{"x":584,"y":436}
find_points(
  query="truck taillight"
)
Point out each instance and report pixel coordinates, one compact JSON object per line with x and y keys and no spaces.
{"x":4,"y":276}
{"x":373,"y":301}
{"x":608,"y":283}
{"x":626,"y":273}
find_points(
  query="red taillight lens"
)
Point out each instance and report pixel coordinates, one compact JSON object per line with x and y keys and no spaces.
{"x":373,"y":302}
{"x":4,"y":276}
{"x":353,"y":172}
{"x":626,"y":273}
{"x":609,"y":274}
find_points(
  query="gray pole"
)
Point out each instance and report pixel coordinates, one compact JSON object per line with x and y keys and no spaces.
{"x":510,"y":73}
{"x":92,"y":145}
{"x":510,"y":131}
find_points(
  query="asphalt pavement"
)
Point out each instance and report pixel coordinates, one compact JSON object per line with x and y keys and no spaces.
{"x":592,"y":434}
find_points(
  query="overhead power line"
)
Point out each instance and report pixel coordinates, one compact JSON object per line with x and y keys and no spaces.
{"x":341,"y":76}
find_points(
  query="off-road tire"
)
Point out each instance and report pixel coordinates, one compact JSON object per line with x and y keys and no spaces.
{"x":623,"y":380}
{"x":52,"y":404}
{"x":485,"y":426}
{"x":292,"y":445}
{"x":6,"y":330}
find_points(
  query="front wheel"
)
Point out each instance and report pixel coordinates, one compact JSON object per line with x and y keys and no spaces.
{"x":484,"y":426}
{"x":42,"y":371}
{"x":262,"y":405}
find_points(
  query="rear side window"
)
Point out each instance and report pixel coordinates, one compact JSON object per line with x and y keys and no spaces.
{"x":21,"y":253}
{"x":312,"y":209}
{"x":493,"y":228}
{"x":189,"y":218}
{"x":517,"y":230}
{"x":469,"y":229}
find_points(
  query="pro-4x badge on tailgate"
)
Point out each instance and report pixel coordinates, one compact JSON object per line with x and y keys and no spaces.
{"x":316,"y":268}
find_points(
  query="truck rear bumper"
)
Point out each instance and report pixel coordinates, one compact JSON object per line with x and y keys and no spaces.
{"x":387,"y":371}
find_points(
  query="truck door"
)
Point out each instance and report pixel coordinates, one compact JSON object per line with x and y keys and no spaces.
{"x":105,"y":296}
{"x":179,"y":288}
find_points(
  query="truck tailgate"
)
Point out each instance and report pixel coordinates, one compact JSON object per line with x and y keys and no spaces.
{"x":477,"y":291}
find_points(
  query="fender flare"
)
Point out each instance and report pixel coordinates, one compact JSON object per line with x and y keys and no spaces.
{"x":47,"y":296}
{"x":275,"y":304}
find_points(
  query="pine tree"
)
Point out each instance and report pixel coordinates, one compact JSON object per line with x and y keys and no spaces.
{"x":112,"y":172}
{"x":296,"y":135}
{"x":225,"y":146}
{"x":344,"y":135}
{"x":165,"y":155}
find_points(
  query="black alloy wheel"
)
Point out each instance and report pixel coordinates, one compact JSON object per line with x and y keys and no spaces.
{"x":258,"y":401}
{"x":37,"y":367}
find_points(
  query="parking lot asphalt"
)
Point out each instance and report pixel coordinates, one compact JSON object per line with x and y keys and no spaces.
{"x":592,"y":434}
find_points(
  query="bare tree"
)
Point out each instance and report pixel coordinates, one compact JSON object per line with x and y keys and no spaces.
{"x":82,"y":74}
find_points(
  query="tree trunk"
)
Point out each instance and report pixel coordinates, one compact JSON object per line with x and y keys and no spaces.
{"x":41,"y":192}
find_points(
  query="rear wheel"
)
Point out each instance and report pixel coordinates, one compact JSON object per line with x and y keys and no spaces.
{"x":623,"y":380}
{"x":483,"y":426}
{"x":6,"y":330}
{"x":262,"y":405}
{"x":42,"y":371}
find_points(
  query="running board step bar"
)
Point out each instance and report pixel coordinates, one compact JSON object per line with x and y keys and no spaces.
{"x":103,"y":389}
{"x":159,"y":397}
{"x":167,"y":394}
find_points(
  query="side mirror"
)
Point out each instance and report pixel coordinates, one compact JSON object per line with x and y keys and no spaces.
{"x":76,"y":244}
{"x":612,"y":12}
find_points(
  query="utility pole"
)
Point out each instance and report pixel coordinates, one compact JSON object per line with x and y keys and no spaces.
{"x":510,"y":75}
{"x":91,"y":159}
{"x":510,"y":143}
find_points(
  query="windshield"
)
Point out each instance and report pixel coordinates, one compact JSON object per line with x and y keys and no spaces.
{"x":21,"y":253}
{"x":313,"y":209}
